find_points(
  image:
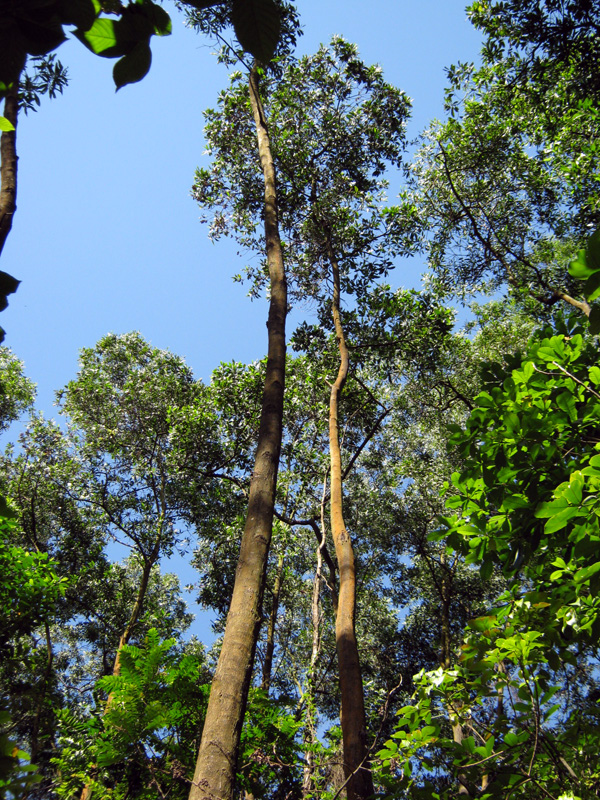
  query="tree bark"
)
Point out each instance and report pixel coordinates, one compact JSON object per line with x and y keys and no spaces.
{"x":217,"y":758}
{"x":8,"y":165}
{"x":356,"y":763}
{"x":310,"y":728}
{"x":270,"y":648}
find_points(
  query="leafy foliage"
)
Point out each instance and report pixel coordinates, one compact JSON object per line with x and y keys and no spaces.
{"x":143,"y":742}
{"x":527,"y":496}
{"x":36,"y":27}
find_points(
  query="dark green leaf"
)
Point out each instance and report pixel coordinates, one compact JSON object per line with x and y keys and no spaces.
{"x":81,"y":13}
{"x":592,"y":253}
{"x":592,"y":286}
{"x":134,"y":66}
{"x":595,"y":320}
{"x":161,"y":21}
{"x":257,"y":25}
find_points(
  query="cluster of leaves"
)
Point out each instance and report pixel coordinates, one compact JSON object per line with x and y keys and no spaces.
{"x":29,"y":591}
{"x":528,"y":500}
{"x":144,"y":741}
{"x":36,"y":28}
{"x":506,"y":188}
{"x":335,"y":125}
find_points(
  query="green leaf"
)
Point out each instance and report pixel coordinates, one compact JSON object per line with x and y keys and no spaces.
{"x":486,"y":569}
{"x":6,"y":125}
{"x":257,"y":25}
{"x":8,"y":285}
{"x":101,"y":38}
{"x":585,"y":573}
{"x":580,"y":268}
{"x":594,"y":375}
{"x":559,"y":521}
{"x":40,"y":37}
{"x":134,"y":66}
{"x":482,"y":624}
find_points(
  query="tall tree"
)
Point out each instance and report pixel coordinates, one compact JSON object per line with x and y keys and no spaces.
{"x":218,"y":752}
{"x":335,"y":126}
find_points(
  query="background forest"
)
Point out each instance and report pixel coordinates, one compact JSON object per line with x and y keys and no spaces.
{"x":393,"y":517}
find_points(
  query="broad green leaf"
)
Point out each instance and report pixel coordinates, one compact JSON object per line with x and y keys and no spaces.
{"x":101,"y":38}
{"x":559,"y":521}
{"x":41,"y":37}
{"x":552,"y":508}
{"x":594,"y":374}
{"x":6,"y":125}
{"x":566,"y":402}
{"x":585,"y":573}
{"x":486,"y":569}
{"x":257,"y":25}
{"x":482,"y":624}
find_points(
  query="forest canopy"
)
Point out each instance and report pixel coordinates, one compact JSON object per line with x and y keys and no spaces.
{"x":393,"y":516}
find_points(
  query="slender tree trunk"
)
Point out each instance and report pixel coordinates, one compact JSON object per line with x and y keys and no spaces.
{"x":356,"y":763}
{"x":217,"y":758}
{"x":270,"y":648}
{"x":8,"y":165}
{"x":136,"y":611}
{"x":310,"y":728}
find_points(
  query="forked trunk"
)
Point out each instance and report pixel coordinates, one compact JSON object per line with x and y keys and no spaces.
{"x":8,"y":165}
{"x":217,"y":758}
{"x":356,"y":761}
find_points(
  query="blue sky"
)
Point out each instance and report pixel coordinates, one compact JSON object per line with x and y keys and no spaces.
{"x":106,"y":236}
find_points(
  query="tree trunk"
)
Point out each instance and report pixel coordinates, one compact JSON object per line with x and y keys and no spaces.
{"x":356,"y":763}
{"x":137,"y":609}
{"x":8,"y":165}
{"x":310,"y":728}
{"x":217,"y":758}
{"x":270,"y":648}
